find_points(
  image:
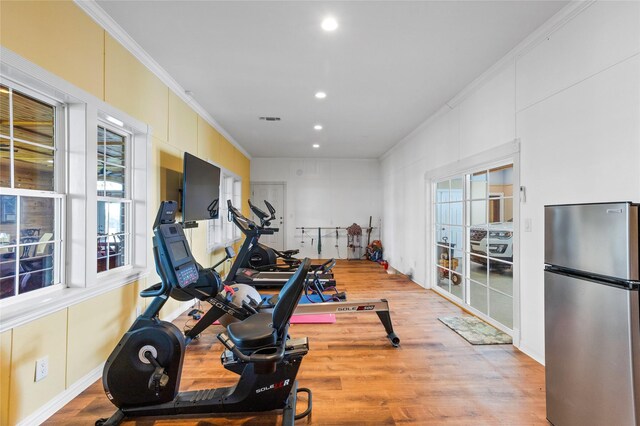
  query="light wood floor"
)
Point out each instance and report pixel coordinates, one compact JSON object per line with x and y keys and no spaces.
{"x":358,"y":378}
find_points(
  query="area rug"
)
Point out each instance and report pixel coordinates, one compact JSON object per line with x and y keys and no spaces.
{"x":476,"y":331}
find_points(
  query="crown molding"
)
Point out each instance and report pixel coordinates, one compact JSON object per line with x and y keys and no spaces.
{"x":557,"y":21}
{"x":102,"y":18}
{"x":540,"y":34}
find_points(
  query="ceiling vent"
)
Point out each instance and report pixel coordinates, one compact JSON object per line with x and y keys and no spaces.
{"x":269,"y":118}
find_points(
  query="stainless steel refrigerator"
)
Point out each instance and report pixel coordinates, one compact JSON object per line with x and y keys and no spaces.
{"x":592,"y":325}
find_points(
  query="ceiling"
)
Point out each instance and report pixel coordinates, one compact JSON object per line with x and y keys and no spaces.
{"x":387,"y":67}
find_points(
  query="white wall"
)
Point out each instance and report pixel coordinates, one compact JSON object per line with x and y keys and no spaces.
{"x":324,"y":192}
{"x":573,"y":101}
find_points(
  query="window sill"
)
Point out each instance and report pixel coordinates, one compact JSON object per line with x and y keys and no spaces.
{"x":22,"y":312}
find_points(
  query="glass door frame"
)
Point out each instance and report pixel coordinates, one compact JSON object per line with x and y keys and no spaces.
{"x":461,"y":169}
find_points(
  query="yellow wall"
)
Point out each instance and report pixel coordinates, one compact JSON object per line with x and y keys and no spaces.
{"x":131,"y":87}
{"x":112,"y":313}
{"x":59,"y":37}
{"x":46,"y":336}
{"x":183,"y":125}
{"x":209,"y":141}
{"x":5,"y":375}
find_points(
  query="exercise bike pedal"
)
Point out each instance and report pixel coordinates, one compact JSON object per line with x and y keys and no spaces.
{"x":195,"y":314}
{"x":158,"y":380}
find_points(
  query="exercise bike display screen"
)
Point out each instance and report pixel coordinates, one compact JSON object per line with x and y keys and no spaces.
{"x":186,"y":273}
{"x":178,"y":250}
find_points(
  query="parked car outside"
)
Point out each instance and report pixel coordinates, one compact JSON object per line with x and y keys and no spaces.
{"x":494,"y":240}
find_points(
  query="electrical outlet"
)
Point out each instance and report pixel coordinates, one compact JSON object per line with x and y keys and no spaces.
{"x":42,"y":368}
{"x":138,"y":311}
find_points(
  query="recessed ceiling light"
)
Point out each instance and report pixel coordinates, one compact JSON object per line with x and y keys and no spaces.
{"x":318,"y":127}
{"x":315,"y":145}
{"x":329,"y":24}
{"x":321,"y":95}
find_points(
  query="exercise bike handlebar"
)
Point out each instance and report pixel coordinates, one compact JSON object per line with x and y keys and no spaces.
{"x":153,"y":291}
{"x":159,"y":288}
{"x":239,"y":219}
{"x":271,"y":209}
{"x":325,"y":267}
{"x":265,"y":219}
{"x":247,"y":225}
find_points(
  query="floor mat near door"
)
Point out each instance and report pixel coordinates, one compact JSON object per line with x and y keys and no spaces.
{"x":476,"y":331}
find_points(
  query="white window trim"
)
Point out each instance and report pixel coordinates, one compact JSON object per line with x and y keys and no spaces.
{"x":83,"y":110}
{"x":223,"y":223}
{"x":506,"y":153}
{"x":59,"y":241}
{"x":58,"y":192}
{"x":128,"y":198}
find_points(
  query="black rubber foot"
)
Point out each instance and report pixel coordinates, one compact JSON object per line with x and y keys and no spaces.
{"x":114,"y":420}
{"x":395,"y":340}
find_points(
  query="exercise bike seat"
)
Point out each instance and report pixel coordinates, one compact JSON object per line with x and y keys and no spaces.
{"x":255,"y":332}
{"x":268,"y":329}
{"x":289,"y":253}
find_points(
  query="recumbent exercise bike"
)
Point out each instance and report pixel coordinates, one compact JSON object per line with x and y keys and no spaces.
{"x":142,"y":375}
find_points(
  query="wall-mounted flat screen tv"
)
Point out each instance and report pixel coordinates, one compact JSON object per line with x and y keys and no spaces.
{"x":200,"y":189}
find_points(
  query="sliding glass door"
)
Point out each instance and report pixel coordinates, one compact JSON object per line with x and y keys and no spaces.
{"x":473,"y":245}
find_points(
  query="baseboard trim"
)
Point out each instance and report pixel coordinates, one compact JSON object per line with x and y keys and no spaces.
{"x":531,"y":354}
{"x":62,"y":399}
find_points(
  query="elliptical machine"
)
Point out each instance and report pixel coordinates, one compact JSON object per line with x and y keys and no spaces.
{"x":265,"y":258}
{"x":142,"y":375}
{"x":239,"y":274}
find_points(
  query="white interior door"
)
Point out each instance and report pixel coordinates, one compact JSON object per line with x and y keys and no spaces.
{"x":274,"y":194}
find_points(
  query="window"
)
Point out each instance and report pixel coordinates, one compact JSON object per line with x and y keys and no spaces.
{"x":52,"y":154}
{"x":30,"y":205}
{"x":221,"y":232}
{"x":474,"y":237}
{"x":113,"y":199}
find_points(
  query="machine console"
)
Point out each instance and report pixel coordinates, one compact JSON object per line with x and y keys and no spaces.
{"x":174,"y":259}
